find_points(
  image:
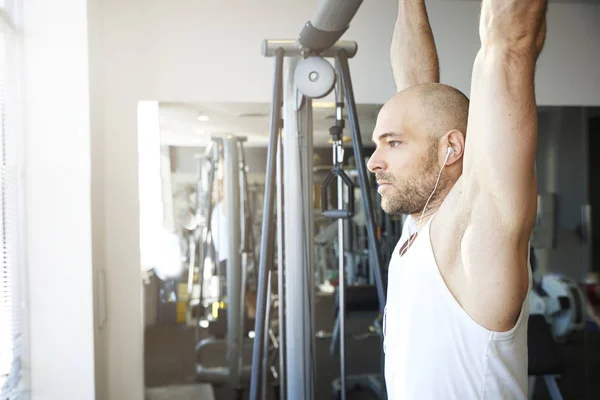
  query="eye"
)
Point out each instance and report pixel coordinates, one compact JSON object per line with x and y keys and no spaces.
{"x":394,"y":143}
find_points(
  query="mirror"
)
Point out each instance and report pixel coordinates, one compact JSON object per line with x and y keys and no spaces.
{"x":193,"y":154}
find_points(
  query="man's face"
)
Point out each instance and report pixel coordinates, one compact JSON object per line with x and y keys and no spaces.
{"x":405,"y":162}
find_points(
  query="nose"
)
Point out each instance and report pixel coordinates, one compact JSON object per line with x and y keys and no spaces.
{"x":376,"y":162}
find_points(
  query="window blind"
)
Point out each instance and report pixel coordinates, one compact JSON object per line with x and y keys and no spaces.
{"x":11,"y":259}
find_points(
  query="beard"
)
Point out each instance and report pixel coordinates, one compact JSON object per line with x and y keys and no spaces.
{"x":409,"y":195}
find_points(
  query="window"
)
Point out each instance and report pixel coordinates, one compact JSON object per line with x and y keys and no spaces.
{"x":12,"y":258}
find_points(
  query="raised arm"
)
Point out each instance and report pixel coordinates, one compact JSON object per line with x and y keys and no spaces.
{"x":412,"y":52}
{"x":502,"y":130}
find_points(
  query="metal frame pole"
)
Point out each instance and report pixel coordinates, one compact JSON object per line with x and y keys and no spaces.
{"x":306,"y":173}
{"x":298,"y":346}
{"x":234,"y":270}
{"x":243,"y":245}
{"x":281,"y":272}
{"x":340,"y":324}
{"x":203,"y":215}
{"x":267,"y":337}
{"x":342,"y":282}
{"x":266,"y":244}
{"x":342,"y":59}
{"x":246,"y":249}
{"x":220,"y":169}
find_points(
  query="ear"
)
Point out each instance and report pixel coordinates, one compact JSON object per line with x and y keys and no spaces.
{"x":456,"y":140}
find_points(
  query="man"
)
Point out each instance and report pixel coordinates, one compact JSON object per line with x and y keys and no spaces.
{"x":457,"y":309}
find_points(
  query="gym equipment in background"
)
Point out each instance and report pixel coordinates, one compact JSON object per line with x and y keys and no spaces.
{"x":561,"y":302}
{"x":359,"y":269}
{"x":306,"y":77}
{"x":339,"y":214}
{"x":344,"y":213}
{"x":213,"y":301}
{"x":544,"y":358}
{"x":556,"y":311}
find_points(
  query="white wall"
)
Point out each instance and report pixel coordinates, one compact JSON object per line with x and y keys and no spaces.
{"x":200,"y":50}
{"x":58,"y":200}
{"x":100,"y":271}
{"x":190,"y":50}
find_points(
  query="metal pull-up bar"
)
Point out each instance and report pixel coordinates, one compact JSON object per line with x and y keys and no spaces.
{"x":314,"y":78}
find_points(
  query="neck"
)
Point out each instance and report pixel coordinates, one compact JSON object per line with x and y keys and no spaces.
{"x":434,"y":204}
{"x":432,"y":208}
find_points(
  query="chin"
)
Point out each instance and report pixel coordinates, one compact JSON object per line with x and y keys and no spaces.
{"x":386,"y":208}
{"x":384,"y":205}
{"x":390,"y":209}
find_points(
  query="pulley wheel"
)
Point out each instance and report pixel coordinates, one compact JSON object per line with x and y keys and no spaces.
{"x":315,"y":77}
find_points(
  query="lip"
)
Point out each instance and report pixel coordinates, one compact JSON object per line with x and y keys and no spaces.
{"x":383,"y":186}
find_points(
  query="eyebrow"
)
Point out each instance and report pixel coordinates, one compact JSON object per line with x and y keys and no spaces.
{"x":387,"y":135}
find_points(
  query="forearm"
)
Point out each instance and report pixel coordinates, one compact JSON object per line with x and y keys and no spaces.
{"x":503,"y":125}
{"x":516,"y":26}
{"x":412,"y":53}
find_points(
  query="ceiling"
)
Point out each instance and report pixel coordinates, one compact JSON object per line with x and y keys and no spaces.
{"x":193,"y":124}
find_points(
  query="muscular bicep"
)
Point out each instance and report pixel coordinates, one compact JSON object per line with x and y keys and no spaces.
{"x":501,"y":136}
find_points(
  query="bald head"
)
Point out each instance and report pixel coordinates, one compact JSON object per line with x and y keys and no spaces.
{"x":414,"y":130}
{"x":435,"y":107}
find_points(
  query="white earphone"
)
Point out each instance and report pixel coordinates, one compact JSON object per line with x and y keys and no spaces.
{"x":448,"y":153}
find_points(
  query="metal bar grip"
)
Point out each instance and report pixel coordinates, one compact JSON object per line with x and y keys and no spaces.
{"x":294,"y":48}
{"x":347,"y":213}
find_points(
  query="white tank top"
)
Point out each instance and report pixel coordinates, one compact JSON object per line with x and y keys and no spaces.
{"x":433,"y":348}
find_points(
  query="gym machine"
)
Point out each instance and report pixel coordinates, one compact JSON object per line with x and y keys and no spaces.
{"x":200,"y":249}
{"x":207,"y":299}
{"x":556,"y":306}
{"x":355,"y":247}
{"x":556,"y":311}
{"x":561,"y":302}
{"x":303,"y":74}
